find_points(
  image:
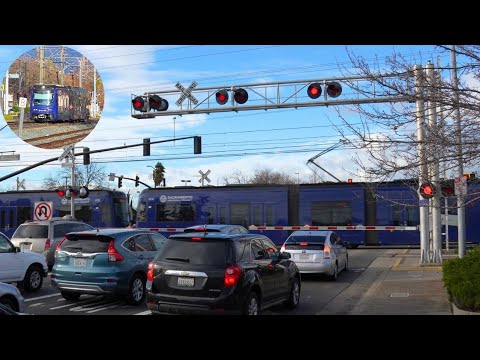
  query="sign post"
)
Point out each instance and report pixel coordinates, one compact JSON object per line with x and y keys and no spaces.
{"x":22,"y":104}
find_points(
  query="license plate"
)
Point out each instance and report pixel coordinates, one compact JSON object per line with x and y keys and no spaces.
{"x":186,"y":281}
{"x":79,"y":262}
{"x":25,"y":245}
{"x":304,"y":257}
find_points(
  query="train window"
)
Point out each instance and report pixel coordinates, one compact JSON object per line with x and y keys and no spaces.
{"x":175,"y":212}
{"x":24,"y":213}
{"x":211,"y":215}
{"x":120,"y":211}
{"x":269,"y":215}
{"x":257,"y":215}
{"x":223,"y":215}
{"x":84,"y":213}
{"x":10,"y":220}
{"x":240,"y":214}
{"x":141,"y":213}
{"x":331,"y":213}
{"x":404,"y":216}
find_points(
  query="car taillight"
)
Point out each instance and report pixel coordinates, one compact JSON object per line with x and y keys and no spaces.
{"x":150,"y":272}
{"x":196,"y":238}
{"x":60,"y":244}
{"x":113,"y":254}
{"x":304,"y":244}
{"x":282,"y":249}
{"x":232,"y":274}
{"x":326,"y":252}
{"x":47,"y":244}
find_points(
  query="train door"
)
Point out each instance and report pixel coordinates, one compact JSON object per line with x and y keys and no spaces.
{"x":223,"y":214}
{"x":211,"y":214}
{"x":8,"y":220}
{"x":258,"y":218}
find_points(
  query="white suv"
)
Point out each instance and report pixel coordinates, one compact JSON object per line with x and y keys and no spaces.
{"x":21,"y":266}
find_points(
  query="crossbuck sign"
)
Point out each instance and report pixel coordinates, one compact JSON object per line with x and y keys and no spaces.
{"x":186,"y":93}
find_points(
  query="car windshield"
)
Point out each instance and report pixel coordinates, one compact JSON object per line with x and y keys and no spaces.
{"x":31,"y":231}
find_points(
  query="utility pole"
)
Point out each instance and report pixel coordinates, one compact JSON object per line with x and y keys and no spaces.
{"x":5,"y":96}
{"x":94,"y":102}
{"x":42,"y":64}
{"x":81,"y":71}
{"x":460,"y":197}
{"x":423,"y":169}
{"x":72,"y":198}
{"x":434,"y":166}
{"x":62,"y":65}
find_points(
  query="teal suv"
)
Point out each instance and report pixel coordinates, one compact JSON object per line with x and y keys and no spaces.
{"x":105,"y":262}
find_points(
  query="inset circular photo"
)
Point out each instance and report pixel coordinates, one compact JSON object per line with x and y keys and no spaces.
{"x":52,"y":97}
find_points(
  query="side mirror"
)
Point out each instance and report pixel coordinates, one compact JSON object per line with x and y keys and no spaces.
{"x":17,"y":249}
{"x":286,"y":255}
{"x":346,"y":244}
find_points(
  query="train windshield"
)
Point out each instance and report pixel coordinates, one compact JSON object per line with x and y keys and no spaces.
{"x":43,"y":97}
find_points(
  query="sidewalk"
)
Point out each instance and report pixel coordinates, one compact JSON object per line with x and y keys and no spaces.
{"x":395,"y":285}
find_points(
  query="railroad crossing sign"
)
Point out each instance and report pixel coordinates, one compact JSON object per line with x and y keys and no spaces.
{"x":186,"y":93}
{"x":204,"y":176}
{"x":43,"y":210}
{"x":20,"y":184}
{"x":22,"y":102}
{"x":68,"y":153}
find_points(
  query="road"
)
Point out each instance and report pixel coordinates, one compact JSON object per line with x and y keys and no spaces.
{"x":315,"y":295}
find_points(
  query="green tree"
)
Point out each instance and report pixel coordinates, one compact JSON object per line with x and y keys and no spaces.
{"x":158,"y":174}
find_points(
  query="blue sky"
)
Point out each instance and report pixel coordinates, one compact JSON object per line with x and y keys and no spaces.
{"x":289,"y":137}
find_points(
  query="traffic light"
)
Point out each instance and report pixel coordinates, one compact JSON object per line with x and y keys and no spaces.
{"x":222,"y":97}
{"x":136,"y":180}
{"x":427,"y":190}
{"x":71,"y":192}
{"x":197,"y":144}
{"x":157,"y":103}
{"x":83,"y":192}
{"x":334,"y":89}
{"x":469,"y":176}
{"x":314,"y":91}
{"x":140,"y":104}
{"x":86,"y":156}
{"x":60,"y":192}
{"x":448,"y":188}
{"x":120,"y":179}
{"x":146,"y":147}
{"x":240,"y":96}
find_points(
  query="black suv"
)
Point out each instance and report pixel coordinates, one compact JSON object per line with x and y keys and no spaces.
{"x":217,"y":272}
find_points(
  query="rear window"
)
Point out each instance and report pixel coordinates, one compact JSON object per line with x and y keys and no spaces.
{"x":203,"y":252}
{"x":86,"y":245}
{"x":199,"y":229}
{"x":31,"y":231}
{"x":305,"y":242}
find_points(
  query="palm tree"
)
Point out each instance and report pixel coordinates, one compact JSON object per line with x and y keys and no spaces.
{"x":158,"y":174}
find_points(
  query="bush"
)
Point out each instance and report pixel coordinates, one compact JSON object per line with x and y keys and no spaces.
{"x":15,"y":109}
{"x":461,"y":278}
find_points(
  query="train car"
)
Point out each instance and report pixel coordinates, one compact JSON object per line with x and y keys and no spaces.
{"x":180,"y":207}
{"x":102,"y":208}
{"x":59,"y":103}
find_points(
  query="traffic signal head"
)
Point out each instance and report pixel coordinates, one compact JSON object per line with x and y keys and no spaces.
{"x":120,"y":179}
{"x":222,"y":97}
{"x":136,"y":180}
{"x":146,"y":147}
{"x":197,"y":145}
{"x":448,"y":188}
{"x":427,"y":190}
{"x":240,"y":96}
{"x":157,"y":103}
{"x":314,"y":91}
{"x":71,"y":192}
{"x":83,"y":192}
{"x":140,"y":104}
{"x":334,"y":89}
{"x":469,"y":176}
{"x":86,"y":156}
{"x":60,"y":192}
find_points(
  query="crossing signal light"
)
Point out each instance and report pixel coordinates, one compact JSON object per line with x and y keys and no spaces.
{"x":71,"y":192}
{"x":140,"y":104}
{"x":83,"y":192}
{"x":60,"y":192}
{"x":222,"y":97}
{"x":136,"y":180}
{"x":334,"y":89}
{"x":427,"y":190}
{"x":120,"y":179}
{"x":240,"y":96}
{"x":197,"y":145}
{"x":86,"y":156}
{"x":448,"y":188}
{"x":157,"y":103}
{"x":314,"y":91}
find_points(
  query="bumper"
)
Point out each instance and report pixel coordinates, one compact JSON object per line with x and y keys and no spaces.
{"x":86,"y":288}
{"x":323,"y":267}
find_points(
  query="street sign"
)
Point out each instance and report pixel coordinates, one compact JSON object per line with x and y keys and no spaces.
{"x":22,"y":102}
{"x":460,"y":184}
{"x":186,"y":93}
{"x":68,"y":153}
{"x":13,"y":76}
{"x":43,"y":210}
{"x":9,"y":157}
{"x":111,"y":177}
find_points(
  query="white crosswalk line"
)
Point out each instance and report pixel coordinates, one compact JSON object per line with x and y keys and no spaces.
{"x":74,"y":304}
{"x":42,"y":297}
{"x":100,"y":304}
{"x":148,"y":312}
{"x":37,"y":304}
{"x":103,"y":308}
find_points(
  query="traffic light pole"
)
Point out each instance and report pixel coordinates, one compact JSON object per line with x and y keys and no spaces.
{"x":72,"y":198}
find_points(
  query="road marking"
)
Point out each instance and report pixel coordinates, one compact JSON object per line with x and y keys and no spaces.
{"x":417,"y":268}
{"x":73,"y":304}
{"x":104,"y":308}
{"x":41,"y":297}
{"x":96,"y":305}
{"x":397,"y":262}
{"x":37,"y":304}
{"x":148,"y":312}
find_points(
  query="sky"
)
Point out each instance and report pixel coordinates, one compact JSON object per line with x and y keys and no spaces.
{"x":281,"y":140}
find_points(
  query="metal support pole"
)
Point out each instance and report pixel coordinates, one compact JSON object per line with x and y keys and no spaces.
{"x":434,"y":167}
{"x":94,"y":103}
{"x":422,"y":169}
{"x":42,"y":64}
{"x":62,"y":65}
{"x":461,"y":197}
{"x":72,"y":204}
{"x":5,"y":96}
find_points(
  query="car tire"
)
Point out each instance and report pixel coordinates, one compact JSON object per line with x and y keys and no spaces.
{"x":33,"y":278}
{"x":346,"y":263}
{"x":10,"y":303}
{"x":136,"y":290}
{"x":251,"y":305}
{"x":334,"y":277}
{"x":71,"y":296}
{"x":294,"y":296}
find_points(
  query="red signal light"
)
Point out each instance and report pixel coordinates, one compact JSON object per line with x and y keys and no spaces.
{"x":139,"y":104}
{"x":448,"y":188}
{"x":240,"y":96}
{"x":314,"y":91}
{"x":334,"y":89}
{"x":60,"y":192}
{"x":222,"y":97}
{"x":427,"y":190}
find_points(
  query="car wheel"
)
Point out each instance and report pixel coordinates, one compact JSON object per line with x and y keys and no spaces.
{"x":33,"y":278}
{"x":294,"y":297}
{"x":346,"y":263}
{"x":136,"y":291}
{"x":334,"y":277}
{"x":10,"y":303}
{"x":67,"y":295}
{"x":251,"y":305}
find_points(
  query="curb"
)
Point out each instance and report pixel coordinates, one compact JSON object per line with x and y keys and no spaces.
{"x":457,"y":311}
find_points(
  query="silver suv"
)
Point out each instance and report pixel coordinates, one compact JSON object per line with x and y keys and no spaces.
{"x":43,"y":236}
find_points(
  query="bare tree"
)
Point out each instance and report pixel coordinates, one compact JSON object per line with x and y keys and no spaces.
{"x":237,"y":177}
{"x":260,"y":176}
{"x":92,"y":176}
